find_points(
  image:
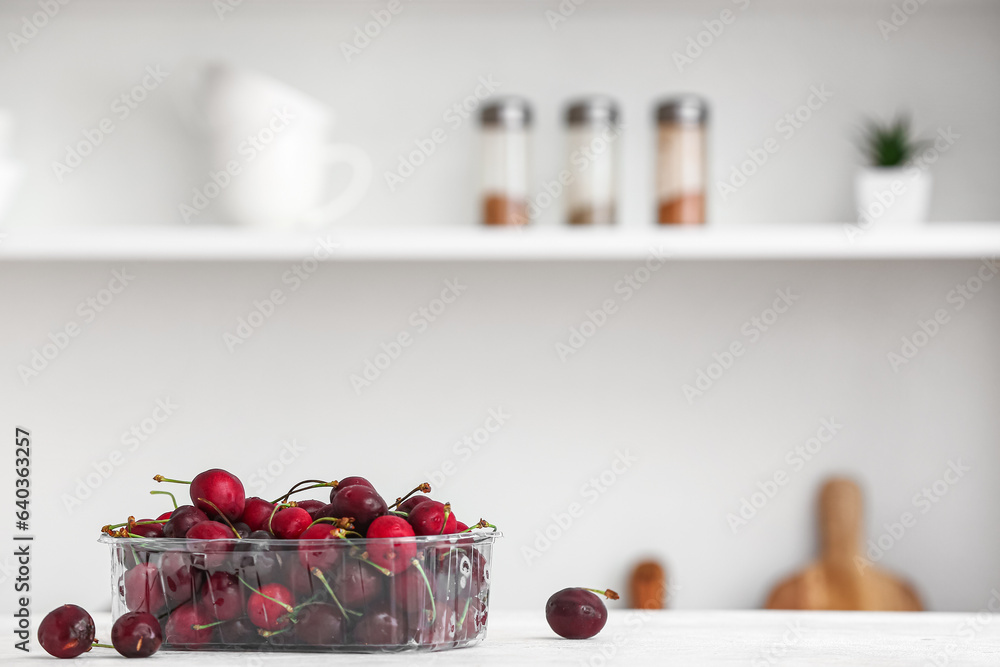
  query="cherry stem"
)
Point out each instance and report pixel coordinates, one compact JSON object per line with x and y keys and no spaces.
{"x":165,"y":493}
{"x":461,"y":621}
{"x":101,"y":645}
{"x":224,"y":517}
{"x":364,"y":559}
{"x":344,"y":523}
{"x":161,"y":478}
{"x":405,"y":515}
{"x":427,"y":583}
{"x":318,"y":483}
{"x":483,"y":523}
{"x":281,"y":604}
{"x":423,"y":488}
{"x":447,"y":513}
{"x":207,"y":625}
{"x":610,"y":594}
{"x":133,"y":522}
{"x":271,"y":633}
{"x":326,"y":584}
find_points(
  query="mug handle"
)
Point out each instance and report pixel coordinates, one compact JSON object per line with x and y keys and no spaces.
{"x":347,"y":200}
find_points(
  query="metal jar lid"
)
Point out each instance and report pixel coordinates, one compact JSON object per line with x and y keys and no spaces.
{"x":592,"y":110}
{"x":683,"y":109}
{"x":509,"y":112}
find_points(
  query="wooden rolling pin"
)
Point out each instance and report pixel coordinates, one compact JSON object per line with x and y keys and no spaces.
{"x":842,"y":578}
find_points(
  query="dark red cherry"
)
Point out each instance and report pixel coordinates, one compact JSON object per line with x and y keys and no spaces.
{"x":222,"y":596}
{"x":66,"y":631}
{"x":290,"y":522}
{"x":136,"y":635}
{"x":215,"y":491}
{"x":358,"y":585}
{"x":256,"y":513}
{"x":321,"y":625}
{"x":379,"y":627}
{"x":147,"y":529}
{"x":411,"y":502}
{"x":577,"y":613}
{"x":143,"y":588}
{"x":269,"y":608}
{"x":429,"y":519}
{"x":394,"y":547}
{"x":182,"y":520}
{"x":362,"y":503}
{"x":353,"y":480}
{"x":186,"y":626}
{"x":312,"y":506}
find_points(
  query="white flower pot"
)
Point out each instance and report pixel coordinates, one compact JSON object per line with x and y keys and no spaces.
{"x":892,"y":197}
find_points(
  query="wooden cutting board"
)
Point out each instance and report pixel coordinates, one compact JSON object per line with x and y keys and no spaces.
{"x":843,"y":579}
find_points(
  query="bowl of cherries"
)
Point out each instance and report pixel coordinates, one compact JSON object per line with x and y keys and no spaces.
{"x":349,"y":572}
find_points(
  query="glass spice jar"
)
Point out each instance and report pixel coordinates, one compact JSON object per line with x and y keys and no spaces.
{"x":505,"y":127}
{"x":593,"y":131}
{"x":681,"y":160}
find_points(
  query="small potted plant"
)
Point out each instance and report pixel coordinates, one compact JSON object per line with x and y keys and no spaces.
{"x":892,"y":189}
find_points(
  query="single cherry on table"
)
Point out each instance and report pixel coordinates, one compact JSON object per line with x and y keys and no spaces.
{"x":577,"y":613}
{"x":66,"y":631}
{"x":137,"y":634}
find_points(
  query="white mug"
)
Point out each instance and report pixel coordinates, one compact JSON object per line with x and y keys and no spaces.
{"x":269,"y":149}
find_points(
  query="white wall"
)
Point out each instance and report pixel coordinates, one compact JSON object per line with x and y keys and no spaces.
{"x":942,"y":65}
{"x":162,"y":337}
{"x":495,"y":347}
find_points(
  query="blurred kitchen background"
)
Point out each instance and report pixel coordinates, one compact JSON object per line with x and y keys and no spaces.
{"x":827,"y":319}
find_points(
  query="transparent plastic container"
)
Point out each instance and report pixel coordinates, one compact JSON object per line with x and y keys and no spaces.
{"x":308,"y":595}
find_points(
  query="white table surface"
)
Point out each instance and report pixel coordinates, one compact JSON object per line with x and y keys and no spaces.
{"x":689,"y":638}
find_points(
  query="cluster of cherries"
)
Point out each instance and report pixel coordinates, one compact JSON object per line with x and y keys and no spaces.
{"x":351,"y":571}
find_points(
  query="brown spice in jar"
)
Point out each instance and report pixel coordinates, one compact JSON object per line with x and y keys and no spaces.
{"x":500,"y":210}
{"x":687,"y":209}
{"x":592,"y":215}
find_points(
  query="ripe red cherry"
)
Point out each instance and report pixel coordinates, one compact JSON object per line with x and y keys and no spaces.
{"x":186,"y":625}
{"x":143,"y":589}
{"x":290,"y":522}
{"x":270,"y":612}
{"x":256,"y":512}
{"x":136,"y":635}
{"x":411,"y":502}
{"x":323,"y":555}
{"x":362,"y":503}
{"x":217,"y":488}
{"x":182,"y":520}
{"x":210,"y":530}
{"x":429,"y":519}
{"x":66,"y":631}
{"x":576,"y":613}
{"x":165,"y":515}
{"x":394,"y":555}
{"x":222,"y":596}
{"x":353,"y":480}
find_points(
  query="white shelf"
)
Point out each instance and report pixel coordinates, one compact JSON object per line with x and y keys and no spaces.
{"x":783,"y":242}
